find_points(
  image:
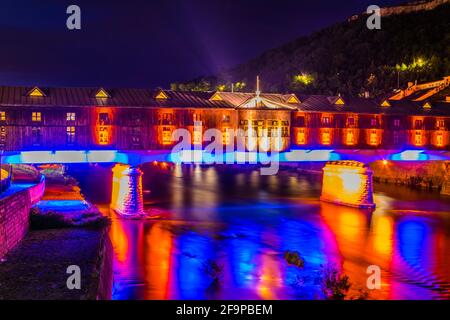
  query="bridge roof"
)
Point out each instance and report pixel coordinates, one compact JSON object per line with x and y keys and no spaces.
{"x":123,"y":97}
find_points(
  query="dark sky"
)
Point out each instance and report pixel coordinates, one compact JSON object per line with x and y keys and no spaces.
{"x":150,"y":43}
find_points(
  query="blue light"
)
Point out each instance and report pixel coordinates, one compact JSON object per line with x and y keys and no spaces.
{"x":67,"y":156}
{"x":410,"y":155}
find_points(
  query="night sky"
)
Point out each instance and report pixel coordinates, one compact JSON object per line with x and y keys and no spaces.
{"x":151,"y":43}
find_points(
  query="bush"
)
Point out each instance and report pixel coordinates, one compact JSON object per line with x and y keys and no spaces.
{"x":294,"y":258}
{"x":335,"y":285}
{"x":90,"y":218}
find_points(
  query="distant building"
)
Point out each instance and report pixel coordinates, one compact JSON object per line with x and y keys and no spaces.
{"x":139,"y":119}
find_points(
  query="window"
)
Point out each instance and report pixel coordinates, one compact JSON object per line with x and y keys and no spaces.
{"x":71,"y":137}
{"x":326,"y":121}
{"x":301,"y":137}
{"x":351,"y":122}
{"x":301,"y":121}
{"x":326,"y":138}
{"x":70,"y":116}
{"x":418,"y":124}
{"x":2,"y":116}
{"x":373,"y":122}
{"x":103,"y":136}
{"x":440,"y":139}
{"x":226,"y":118}
{"x":36,"y":117}
{"x":439,"y":123}
{"x":166,"y":136}
{"x":397,"y":123}
{"x":2,"y":136}
{"x":136,"y":118}
{"x":196,"y":117}
{"x":197,"y":139}
{"x":36,"y":136}
{"x":167,"y":119}
{"x":226,"y":136}
{"x":418,"y":139}
{"x":103,"y":118}
{"x":396,"y":138}
{"x":350,"y":139}
{"x":285,"y":132}
{"x":373,"y":138}
{"x":136,"y":136}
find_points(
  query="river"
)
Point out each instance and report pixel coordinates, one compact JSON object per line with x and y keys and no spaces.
{"x":223,"y":234}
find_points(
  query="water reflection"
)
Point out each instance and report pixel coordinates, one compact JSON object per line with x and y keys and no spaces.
{"x":227,"y":232}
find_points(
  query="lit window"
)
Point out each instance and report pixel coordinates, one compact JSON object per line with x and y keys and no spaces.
{"x":226,"y":136}
{"x":103,"y":135}
{"x":196,"y":117}
{"x":440,"y":139}
{"x":226,"y":118}
{"x":326,"y":138}
{"x":418,"y":139}
{"x":350,"y":139}
{"x":301,"y":137}
{"x":36,"y":116}
{"x":440,"y":124}
{"x":373,"y":139}
{"x":70,"y":135}
{"x":197,"y":137}
{"x":166,"y":136}
{"x":70,"y":116}
{"x":326,"y":121}
{"x":397,"y":123}
{"x":2,"y":116}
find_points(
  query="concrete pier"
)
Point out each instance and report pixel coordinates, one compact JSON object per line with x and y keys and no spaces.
{"x":127,"y":196}
{"x":348,"y":183}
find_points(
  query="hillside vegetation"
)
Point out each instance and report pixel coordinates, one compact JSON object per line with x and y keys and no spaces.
{"x":348,"y":58}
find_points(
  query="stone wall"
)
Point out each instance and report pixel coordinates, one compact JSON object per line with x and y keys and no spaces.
{"x":423,"y":174}
{"x":14,"y":215}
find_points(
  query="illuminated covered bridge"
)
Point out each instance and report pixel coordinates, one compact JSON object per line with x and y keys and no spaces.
{"x":134,"y":126}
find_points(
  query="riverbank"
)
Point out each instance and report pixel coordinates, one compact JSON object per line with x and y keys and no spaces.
{"x":65,"y":231}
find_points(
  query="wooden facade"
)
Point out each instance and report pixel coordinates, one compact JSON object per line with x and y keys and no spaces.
{"x":132,"y":119}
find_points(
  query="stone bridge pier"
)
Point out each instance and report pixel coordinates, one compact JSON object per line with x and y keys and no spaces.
{"x":348,"y":183}
{"x":127,"y":196}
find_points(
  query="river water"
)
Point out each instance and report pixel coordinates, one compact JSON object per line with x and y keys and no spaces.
{"x":223,"y":234}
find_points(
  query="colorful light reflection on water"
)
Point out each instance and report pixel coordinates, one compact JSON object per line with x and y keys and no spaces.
{"x":242,"y":223}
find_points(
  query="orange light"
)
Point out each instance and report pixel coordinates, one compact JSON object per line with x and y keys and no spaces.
{"x":348,"y":183}
{"x":301,"y":137}
{"x":350,"y":138}
{"x":326,"y":138}
{"x":385,"y":162}
{"x":418,"y":138}
{"x":373,"y":138}
{"x":440,"y":139}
